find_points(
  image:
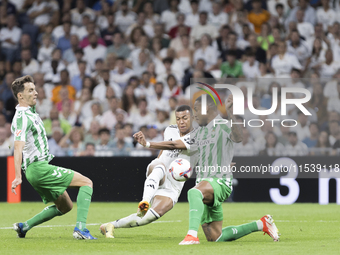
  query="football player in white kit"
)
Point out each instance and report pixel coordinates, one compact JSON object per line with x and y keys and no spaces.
{"x":160,"y":189}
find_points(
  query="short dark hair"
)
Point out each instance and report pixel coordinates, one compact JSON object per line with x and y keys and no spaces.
{"x":183,"y":108}
{"x":210,"y":102}
{"x":19,"y":84}
{"x":104,"y":130}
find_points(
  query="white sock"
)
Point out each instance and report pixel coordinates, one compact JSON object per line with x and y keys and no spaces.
{"x":192,"y":233}
{"x":149,"y":217}
{"x":259,"y":225}
{"x":152,"y":182}
{"x":126,"y":222}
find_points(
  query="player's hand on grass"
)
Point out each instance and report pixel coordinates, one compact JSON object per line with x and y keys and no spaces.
{"x":140,"y":138}
{"x":16,"y":183}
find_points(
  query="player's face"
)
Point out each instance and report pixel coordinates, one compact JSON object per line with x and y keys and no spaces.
{"x":202,"y":120}
{"x":183,"y":121}
{"x":29,"y":95}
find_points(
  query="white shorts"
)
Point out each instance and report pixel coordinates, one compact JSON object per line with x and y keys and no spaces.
{"x":170,"y":188}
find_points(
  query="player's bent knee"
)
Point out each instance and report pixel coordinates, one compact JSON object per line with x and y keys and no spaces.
{"x":87,"y":182}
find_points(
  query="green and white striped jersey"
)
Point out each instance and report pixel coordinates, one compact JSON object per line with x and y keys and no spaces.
{"x":28,"y":127}
{"x":216,"y":150}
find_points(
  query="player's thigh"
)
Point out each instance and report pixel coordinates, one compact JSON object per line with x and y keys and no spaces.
{"x":212,"y":230}
{"x":207,"y":192}
{"x":152,"y":165}
{"x":80,"y":180}
{"x":64,"y":203}
{"x":162,"y":204}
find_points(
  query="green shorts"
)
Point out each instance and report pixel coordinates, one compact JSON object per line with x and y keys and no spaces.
{"x":221,"y":193}
{"x":48,"y":180}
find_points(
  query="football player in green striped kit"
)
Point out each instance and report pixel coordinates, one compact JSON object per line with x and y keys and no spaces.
{"x":31,"y":154}
{"x":215,"y":146}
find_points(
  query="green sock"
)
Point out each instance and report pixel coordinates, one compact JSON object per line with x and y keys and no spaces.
{"x":196,"y":208}
{"x":83,"y":204}
{"x":235,"y":232}
{"x":48,"y":213}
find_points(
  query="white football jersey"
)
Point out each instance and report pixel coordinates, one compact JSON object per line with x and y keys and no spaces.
{"x":172,"y":133}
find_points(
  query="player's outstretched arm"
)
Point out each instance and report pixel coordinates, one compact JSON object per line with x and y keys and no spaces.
{"x":18,"y":148}
{"x":236,"y":132}
{"x":166,"y":145}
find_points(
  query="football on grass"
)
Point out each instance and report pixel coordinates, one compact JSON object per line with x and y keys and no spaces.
{"x":180,"y":169}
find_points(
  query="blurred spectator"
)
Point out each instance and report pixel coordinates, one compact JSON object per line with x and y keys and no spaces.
{"x":233,"y":67}
{"x":266,"y":38}
{"x":67,"y":112}
{"x":52,"y":68}
{"x":185,"y":54}
{"x":64,"y":83}
{"x":334,"y":132}
{"x":329,"y":68}
{"x":142,"y":117}
{"x":141,"y":21}
{"x":92,"y":136}
{"x":94,"y":51}
{"x":59,"y":32}
{"x":200,"y":67}
{"x":121,"y":73}
{"x":73,"y":142}
{"x":217,"y":17}
{"x":312,"y":140}
{"x":317,"y":57}
{"x":89,"y":150}
{"x":82,"y":106}
{"x":99,"y":91}
{"x":120,"y":145}
{"x":323,"y":147}
{"x":41,"y":12}
{"x":298,"y":47}
{"x":64,"y":42}
{"x":129,"y":100}
{"x":325,"y":15}
{"x":168,"y":17}
{"x":5,"y":87}
{"x":284,"y":62}
{"x":10,"y":37}
{"x":151,"y":17}
{"x":54,"y":117}
{"x":302,"y":127}
{"x":119,"y":47}
{"x":124,"y":18}
{"x":159,"y":33}
{"x":247,"y":146}
{"x":272,"y":147}
{"x":46,"y":49}
{"x":162,"y":120}
{"x":145,"y":88}
{"x":257,"y":15}
{"x":29,"y":64}
{"x":159,"y":101}
{"x":109,"y":117}
{"x":26,"y":43}
{"x":80,"y":11}
{"x":77,"y":80}
{"x":53,"y":142}
{"x":206,"y":52}
{"x":319,"y":103}
{"x":108,"y":33}
{"x":192,"y":18}
{"x":305,"y":29}
{"x":43,"y":105}
{"x":260,"y":54}
{"x":172,"y":89}
{"x":104,"y":147}
{"x":250,"y":68}
{"x":5,"y":149}
{"x":90,"y":29}
{"x":174,"y":31}
{"x":173,"y":102}
{"x":310,"y":15}
{"x":96,"y":110}
{"x":295,"y":147}
{"x":203,"y":28}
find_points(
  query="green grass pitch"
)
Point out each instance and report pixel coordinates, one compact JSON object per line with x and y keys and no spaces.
{"x":305,"y":229}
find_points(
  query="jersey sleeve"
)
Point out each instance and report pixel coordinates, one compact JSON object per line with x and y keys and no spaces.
{"x":189,"y":141}
{"x":168,"y":131}
{"x":20,"y":127}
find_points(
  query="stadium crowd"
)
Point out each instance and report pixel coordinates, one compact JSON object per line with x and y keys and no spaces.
{"x":106,"y":69}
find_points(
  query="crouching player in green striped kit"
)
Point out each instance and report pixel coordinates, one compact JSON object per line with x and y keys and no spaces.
{"x":31,"y":153}
{"x":215,"y":147}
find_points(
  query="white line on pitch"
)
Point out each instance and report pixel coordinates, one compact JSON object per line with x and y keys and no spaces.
{"x":91,"y":224}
